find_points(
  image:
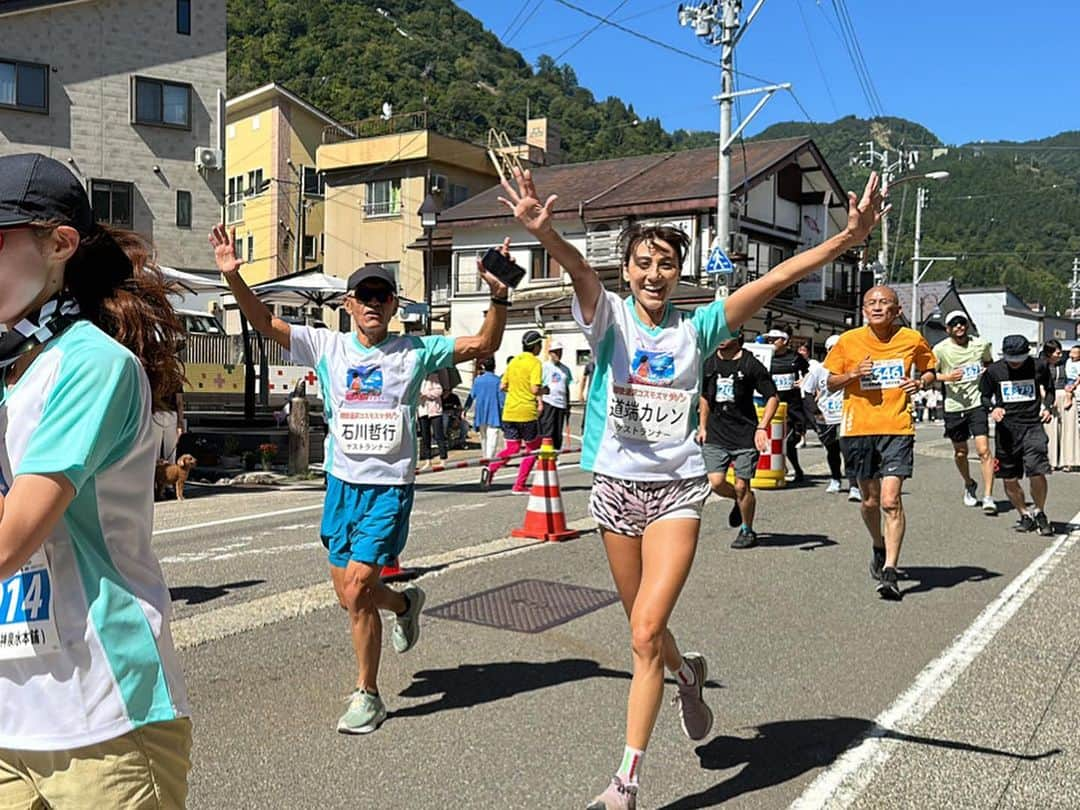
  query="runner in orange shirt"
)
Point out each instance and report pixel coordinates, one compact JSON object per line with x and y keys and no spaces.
{"x":880,"y":366}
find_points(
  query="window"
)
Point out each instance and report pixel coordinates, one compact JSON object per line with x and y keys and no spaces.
{"x":234,"y":200}
{"x":383,"y":198}
{"x":250,"y":248}
{"x":314,"y":183}
{"x":164,"y":104}
{"x":542,"y":267}
{"x":24,"y":86}
{"x":255,"y":184}
{"x":466,"y":278}
{"x":183,"y":17}
{"x":111,"y":201}
{"x":183,"y":209}
{"x":238,"y":248}
{"x":456,"y":194}
{"x":310,"y":243}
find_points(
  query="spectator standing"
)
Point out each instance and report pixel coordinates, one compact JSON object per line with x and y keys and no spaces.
{"x":169,"y":424}
{"x":487,"y":401}
{"x":1070,"y":428}
{"x":932,"y":398}
{"x":429,"y":414}
{"x":1051,"y":356}
{"x":556,"y":379}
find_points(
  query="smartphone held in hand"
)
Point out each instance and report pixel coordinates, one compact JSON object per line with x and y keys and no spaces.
{"x":503,"y":267}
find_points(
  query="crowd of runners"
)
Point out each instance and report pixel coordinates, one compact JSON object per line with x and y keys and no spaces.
{"x":88,"y":356}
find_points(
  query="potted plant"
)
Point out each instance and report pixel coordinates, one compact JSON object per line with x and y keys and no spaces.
{"x":230,"y":456}
{"x":267,"y":451}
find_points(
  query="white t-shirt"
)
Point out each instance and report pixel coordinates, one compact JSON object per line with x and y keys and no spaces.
{"x":557,"y":378}
{"x":830,"y":403}
{"x":643,"y":400}
{"x":370,"y":398}
{"x":82,"y":410}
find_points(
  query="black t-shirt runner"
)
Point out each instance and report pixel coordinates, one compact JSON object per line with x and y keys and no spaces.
{"x":787,"y":369}
{"x":728,"y":386}
{"x":1022,"y":391}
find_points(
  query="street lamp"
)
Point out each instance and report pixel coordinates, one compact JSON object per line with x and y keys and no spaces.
{"x":429,"y":218}
{"x":916,"y":275}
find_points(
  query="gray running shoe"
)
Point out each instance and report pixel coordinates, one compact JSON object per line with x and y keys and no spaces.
{"x":887,"y":587}
{"x":617,"y":797}
{"x":407,"y":626}
{"x":746,"y":538}
{"x":989,"y":506}
{"x":697,"y":717}
{"x":877,"y":563}
{"x":365,"y":713}
{"x":970,"y":498}
{"x":1042,"y":522}
{"x":1025,"y":524}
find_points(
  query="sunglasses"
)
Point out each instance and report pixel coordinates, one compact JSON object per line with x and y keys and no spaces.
{"x":958,"y":322}
{"x":378,"y":294}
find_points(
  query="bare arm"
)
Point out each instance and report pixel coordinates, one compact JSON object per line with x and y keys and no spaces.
{"x":536,"y":219}
{"x":257,"y":313}
{"x":863,"y":216}
{"x":703,"y":417}
{"x":487,"y":341}
{"x":33,"y":506}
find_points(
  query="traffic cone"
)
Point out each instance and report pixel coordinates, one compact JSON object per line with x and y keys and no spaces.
{"x":393,"y":571}
{"x":544,"y":517}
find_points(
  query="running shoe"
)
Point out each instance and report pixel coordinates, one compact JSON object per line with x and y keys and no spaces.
{"x":407,"y":626}
{"x":989,"y":506}
{"x":618,"y":796}
{"x":734,"y":517}
{"x":1025,"y":524}
{"x":746,"y":538}
{"x":970,"y":499}
{"x":854,"y":495}
{"x":485,"y":479}
{"x":887,"y":587}
{"x":833,"y":487}
{"x":425,"y":464}
{"x":877,"y":563}
{"x":366,"y":713}
{"x":521,"y":491}
{"x":697,"y":717}
{"x":1043,"y":524}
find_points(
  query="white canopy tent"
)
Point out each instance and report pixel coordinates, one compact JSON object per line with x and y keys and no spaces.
{"x":307,"y":288}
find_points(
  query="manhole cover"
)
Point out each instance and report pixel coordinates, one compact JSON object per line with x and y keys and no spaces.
{"x":526,"y":606}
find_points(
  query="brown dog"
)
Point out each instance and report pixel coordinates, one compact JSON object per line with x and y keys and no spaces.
{"x":175,"y":474}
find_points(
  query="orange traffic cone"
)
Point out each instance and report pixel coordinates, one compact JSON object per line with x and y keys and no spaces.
{"x":544,"y":517}
{"x":393,"y":571}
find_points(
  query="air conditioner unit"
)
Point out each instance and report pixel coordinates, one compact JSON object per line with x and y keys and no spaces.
{"x":740,"y":243}
{"x":439,"y":182}
{"x":207,"y":158}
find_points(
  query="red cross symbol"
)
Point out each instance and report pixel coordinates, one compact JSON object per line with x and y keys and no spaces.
{"x":310,"y":378}
{"x":219,"y":381}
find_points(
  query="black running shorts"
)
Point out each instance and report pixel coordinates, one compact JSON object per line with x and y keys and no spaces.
{"x":962,"y":425}
{"x":1020,"y":450}
{"x":871,"y":457}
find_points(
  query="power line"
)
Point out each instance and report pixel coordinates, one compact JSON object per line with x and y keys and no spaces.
{"x":525,"y":21}
{"x":817,"y":61}
{"x":584,"y":36}
{"x":849,"y":39}
{"x":565,"y":37}
{"x":862,"y":58}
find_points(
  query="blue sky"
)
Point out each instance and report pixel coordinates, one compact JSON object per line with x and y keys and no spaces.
{"x":966,"y":70}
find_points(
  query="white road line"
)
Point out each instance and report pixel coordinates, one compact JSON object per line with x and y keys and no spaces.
{"x":842,"y":782}
{"x":233,"y":619}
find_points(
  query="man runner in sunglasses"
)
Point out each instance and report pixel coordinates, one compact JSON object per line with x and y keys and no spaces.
{"x":370,"y":383}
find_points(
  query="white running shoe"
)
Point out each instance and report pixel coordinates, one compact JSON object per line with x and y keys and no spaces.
{"x":833,"y":487}
{"x":989,"y":506}
{"x":854,"y":495}
{"x":970,"y":498}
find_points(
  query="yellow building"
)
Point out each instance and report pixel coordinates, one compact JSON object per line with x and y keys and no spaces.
{"x":273,"y":193}
{"x":378,"y":173}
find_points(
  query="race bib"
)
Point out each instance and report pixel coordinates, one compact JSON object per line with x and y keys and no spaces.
{"x":1017,"y":391}
{"x":648,"y":413}
{"x":971,"y":372}
{"x":832,"y":408}
{"x":369,"y":431}
{"x":27,"y":624}
{"x":725,"y":389}
{"x":885,"y":374}
{"x":783,"y":382}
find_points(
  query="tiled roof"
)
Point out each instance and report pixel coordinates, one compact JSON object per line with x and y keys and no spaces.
{"x":665,"y":179}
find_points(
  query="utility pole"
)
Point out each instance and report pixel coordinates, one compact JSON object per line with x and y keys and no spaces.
{"x":1074,"y":287}
{"x":717,"y":23}
{"x":919,"y":203}
{"x":298,"y":262}
{"x":905,"y":159}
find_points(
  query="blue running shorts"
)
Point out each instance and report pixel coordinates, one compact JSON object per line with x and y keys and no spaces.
{"x":366,"y":523}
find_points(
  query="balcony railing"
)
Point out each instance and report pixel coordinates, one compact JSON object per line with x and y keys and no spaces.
{"x":234,"y":212}
{"x":382,"y":208}
{"x":375,"y":126}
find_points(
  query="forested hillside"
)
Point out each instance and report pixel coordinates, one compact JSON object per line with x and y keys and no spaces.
{"x":1010,"y":211}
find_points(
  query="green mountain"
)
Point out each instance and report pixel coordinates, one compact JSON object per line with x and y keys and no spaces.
{"x":1010,"y":211}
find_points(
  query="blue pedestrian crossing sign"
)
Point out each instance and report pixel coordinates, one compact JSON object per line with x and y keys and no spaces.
{"x":719,"y":263}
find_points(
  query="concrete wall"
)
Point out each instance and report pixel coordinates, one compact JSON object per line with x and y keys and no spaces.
{"x":93,"y":51}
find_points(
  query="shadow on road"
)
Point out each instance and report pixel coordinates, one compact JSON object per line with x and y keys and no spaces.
{"x":198,"y":594}
{"x":805,"y":542}
{"x":785,"y":750}
{"x":475,"y":684}
{"x":929,"y":578}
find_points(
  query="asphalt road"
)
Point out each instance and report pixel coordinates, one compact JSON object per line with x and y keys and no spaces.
{"x":963,"y":694}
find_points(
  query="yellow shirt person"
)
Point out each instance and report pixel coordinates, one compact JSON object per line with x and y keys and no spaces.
{"x":520,"y":378}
